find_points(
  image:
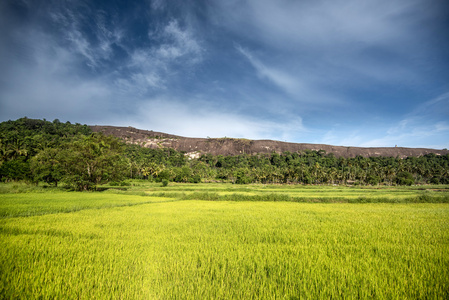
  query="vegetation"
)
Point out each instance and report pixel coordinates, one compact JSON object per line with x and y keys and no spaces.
{"x":55,"y":152}
{"x":155,"y":232}
{"x":133,"y":244}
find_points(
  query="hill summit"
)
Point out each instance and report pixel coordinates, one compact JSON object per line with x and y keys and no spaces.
{"x":194,"y":147}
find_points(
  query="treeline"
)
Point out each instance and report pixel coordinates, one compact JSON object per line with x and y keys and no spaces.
{"x":54,"y":152}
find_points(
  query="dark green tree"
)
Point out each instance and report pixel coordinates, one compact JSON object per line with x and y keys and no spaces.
{"x":46,"y":166}
{"x":92,"y":160}
{"x":404,"y":178}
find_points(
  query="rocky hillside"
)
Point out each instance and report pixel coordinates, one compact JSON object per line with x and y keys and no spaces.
{"x":194,"y":147}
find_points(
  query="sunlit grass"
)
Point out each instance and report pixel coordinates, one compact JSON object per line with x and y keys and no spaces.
{"x":30,"y":204}
{"x":301,"y":193}
{"x":132,"y":245}
{"x":229,"y":250}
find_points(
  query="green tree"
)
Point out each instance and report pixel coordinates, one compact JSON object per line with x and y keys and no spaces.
{"x":152,"y":169}
{"x":89,"y":161}
{"x":15,"y":169}
{"x":182,"y":174}
{"x":46,"y":166}
{"x":241,"y":176}
{"x":404,"y":178}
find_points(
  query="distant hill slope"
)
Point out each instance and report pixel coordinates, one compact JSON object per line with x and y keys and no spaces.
{"x":231,"y":146}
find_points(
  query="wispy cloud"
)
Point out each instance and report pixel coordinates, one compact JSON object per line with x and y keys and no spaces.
{"x":424,"y":126}
{"x":431,"y":136}
{"x":180,"y":43}
{"x":424,"y":118}
{"x":200,"y":119}
{"x":48,"y":87}
{"x":94,"y":45}
{"x":153,"y":67}
{"x":405,"y":133}
{"x":286,"y":70}
{"x":336,"y":40}
{"x":323,"y":23}
{"x":279,"y":78}
{"x":350,"y":137}
{"x":436,"y":106}
{"x":298,"y":86}
{"x":413,"y":133}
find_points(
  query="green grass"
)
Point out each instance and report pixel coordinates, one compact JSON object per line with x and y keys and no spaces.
{"x":301,"y":193}
{"x":123,"y":245}
{"x":31,"y":204}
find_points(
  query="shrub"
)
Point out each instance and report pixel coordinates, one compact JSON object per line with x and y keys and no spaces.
{"x":195,"y":179}
{"x":373,"y":180}
{"x":307,"y":180}
{"x":405,"y":178}
{"x":164,"y":175}
{"x":242,"y":178}
{"x":434,"y":180}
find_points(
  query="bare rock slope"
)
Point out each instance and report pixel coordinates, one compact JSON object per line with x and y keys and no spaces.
{"x":194,"y":147}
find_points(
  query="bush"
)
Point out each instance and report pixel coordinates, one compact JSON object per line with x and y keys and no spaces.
{"x":373,"y":180}
{"x":164,"y":175}
{"x":164,"y":182}
{"x":307,"y":180}
{"x":16,"y":169}
{"x":405,"y":178}
{"x":195,"y":179}
{"x":434,"y":180}
{"x":242,"y":178}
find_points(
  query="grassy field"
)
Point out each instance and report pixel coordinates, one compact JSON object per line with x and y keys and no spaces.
{"x":301,"y":193}
{"x":153,"y":242}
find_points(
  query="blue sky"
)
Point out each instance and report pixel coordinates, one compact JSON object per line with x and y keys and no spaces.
{"x":343,"y":72}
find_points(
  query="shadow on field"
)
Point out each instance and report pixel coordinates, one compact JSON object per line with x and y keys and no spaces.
{"x":47,"y":232}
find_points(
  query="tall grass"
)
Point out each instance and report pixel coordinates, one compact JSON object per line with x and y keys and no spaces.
{"x":284,"y":197}
{"x":228,"y":250}
{"x":32,"y":204}
{"x":301,"y":193}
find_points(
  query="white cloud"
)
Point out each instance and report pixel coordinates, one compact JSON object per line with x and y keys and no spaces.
{"x":301,"y":87}
{"x":425,"y":126}
{"x":321,"y":23}
{"x":336,"y":40}
{"x":279,"y":78}
{"x":399,"y":127}
{"x":436,"y":106}
{"x":408,"y":133}
{"x":181,"y":43}
{"x":416,"y":129}
{"x":154,"y":67}
{"x":423,"y":119}
{"x":317,"y":61}
{"x":442,"y":127}
{"x":95,"y":49}
{"x":199,"y":119}
{"x":341,"y":137}
{"x":47,"y":84}
{"x":52,"y":80}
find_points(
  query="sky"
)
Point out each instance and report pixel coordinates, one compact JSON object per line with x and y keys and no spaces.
{"x":370,"y":73}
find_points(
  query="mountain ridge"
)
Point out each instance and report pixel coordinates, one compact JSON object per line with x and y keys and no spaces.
{"x":195,"y":147}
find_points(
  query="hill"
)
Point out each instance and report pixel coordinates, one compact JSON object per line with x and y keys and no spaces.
{"x":194,"y":147}
{"x":71,"y":154}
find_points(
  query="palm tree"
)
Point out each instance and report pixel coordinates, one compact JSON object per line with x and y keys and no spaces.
{"x":16,"y":149}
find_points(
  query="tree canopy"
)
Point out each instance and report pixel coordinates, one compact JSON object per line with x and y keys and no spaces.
{"x":53,"y":152}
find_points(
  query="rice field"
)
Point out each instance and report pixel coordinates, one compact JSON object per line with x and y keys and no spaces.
{"x":304,"y":193}
{"x":134,"y":245}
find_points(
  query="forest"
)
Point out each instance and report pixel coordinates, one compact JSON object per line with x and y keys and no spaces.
{"x":55,"y":153}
